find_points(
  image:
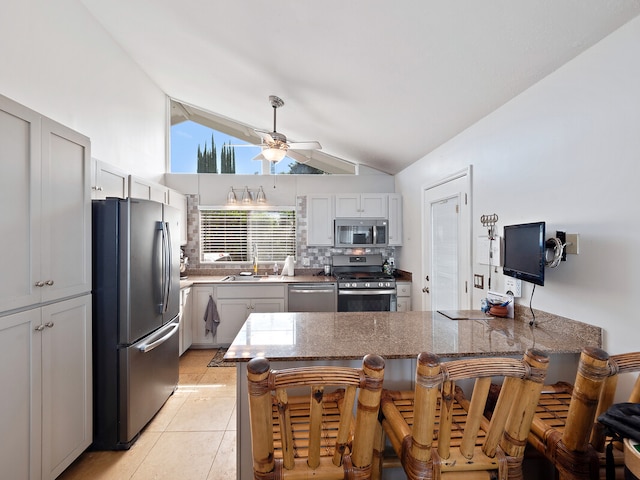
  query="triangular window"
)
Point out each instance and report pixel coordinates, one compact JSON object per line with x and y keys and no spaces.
{"x":202,"y":142}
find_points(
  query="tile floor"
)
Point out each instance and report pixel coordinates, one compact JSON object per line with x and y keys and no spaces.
{"x":193,"y":437}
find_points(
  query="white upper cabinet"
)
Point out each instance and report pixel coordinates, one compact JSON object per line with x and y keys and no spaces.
{"x":44,"y":191}
{"x":320,"y":212}
{"x":143,"y":188}
{"x":395,"y":219}
{"x":108,"y":181}
{"x":66,"y":212}
{"x":365,"y":205}
{"x":179,"y":201}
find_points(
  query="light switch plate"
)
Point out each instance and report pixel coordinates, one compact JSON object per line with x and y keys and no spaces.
{"x":573,"y":246}
{"x":486,"y":247}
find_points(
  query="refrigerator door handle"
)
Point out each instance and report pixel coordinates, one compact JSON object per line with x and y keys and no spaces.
{"x":147,"y":347}
{"x":160,"y":259}
{"x":169,"y":266}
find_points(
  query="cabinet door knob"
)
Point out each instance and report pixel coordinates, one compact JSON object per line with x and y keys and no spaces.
{"x":39,"y":328}
{"x":39,"y":284}
{"x":425,"y":289}
{"x":49,"y":282}
{"x":49,"y":324}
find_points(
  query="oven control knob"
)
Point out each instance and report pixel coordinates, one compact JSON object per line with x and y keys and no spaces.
{"x":367,"y":285}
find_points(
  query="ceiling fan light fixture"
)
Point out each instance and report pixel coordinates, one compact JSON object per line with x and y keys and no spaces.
{"x":274,"y":154}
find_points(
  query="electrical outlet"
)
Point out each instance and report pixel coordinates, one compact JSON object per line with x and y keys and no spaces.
{"x":305,"y":262}
{"x":513,"y":285}
{"x":572,"y":244}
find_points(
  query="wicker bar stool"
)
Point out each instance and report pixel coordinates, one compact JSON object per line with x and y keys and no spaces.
{"x":437,"y":433}
{"x":314,"y":435}
{"x":564,"y":429}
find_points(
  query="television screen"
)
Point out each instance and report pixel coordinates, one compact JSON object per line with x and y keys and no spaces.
{"x":524,"y":252}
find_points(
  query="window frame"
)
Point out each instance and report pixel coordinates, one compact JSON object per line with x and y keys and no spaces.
{"x":266,"y":253}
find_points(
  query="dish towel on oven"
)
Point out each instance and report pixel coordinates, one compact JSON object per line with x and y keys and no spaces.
{"x":211,"y":317}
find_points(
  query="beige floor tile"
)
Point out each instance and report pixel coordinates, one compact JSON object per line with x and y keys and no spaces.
{"x":189,"y":378}
{"x":233,"y":425}
{"x":194,"y":363}
{"x":162,"y":419}
{"x":119,"y":465}
{"x":180,"y":455}
{"x":224,"y":465}
{"x":199,"y":414}
{"x":222,"y":384}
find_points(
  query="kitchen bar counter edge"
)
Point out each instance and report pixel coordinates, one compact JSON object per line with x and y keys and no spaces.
{"x":395,"y":335}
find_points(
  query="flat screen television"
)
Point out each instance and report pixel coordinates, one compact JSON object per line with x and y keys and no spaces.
{"x":524,"y":252}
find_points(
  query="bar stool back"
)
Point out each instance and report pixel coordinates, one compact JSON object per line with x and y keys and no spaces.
{"x":437,"y":433}
{"x":313,"y":435}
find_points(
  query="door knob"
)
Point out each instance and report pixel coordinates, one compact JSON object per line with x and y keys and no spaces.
{"x":425,"y":290}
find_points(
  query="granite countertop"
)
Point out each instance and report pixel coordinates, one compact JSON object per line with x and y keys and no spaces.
{"x":304,"y":276}
{"x":351,"y":335}
{"x":207,"y":279}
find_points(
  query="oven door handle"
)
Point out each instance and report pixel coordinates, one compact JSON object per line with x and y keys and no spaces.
{"x":367,"y":292}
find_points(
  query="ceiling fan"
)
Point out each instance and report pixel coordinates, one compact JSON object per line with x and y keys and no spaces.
{"x":274,"y":144}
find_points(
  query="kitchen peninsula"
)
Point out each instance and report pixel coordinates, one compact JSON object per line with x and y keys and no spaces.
{"x":297,"y":339}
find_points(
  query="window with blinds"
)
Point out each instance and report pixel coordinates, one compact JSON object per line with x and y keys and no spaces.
{"x":230,"y":235}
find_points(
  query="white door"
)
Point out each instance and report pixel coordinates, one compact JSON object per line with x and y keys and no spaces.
{"x":447,"y":241}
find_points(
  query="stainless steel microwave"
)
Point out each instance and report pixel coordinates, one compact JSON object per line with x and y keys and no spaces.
{"x":361,"y":232}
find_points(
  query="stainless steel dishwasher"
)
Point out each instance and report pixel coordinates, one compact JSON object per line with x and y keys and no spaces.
{"x":313,"y":297}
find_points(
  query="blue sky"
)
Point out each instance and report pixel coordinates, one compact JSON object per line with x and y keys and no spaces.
{"x":186,"y":136}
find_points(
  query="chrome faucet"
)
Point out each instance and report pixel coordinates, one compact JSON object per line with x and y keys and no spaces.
{"x":255,"y":259}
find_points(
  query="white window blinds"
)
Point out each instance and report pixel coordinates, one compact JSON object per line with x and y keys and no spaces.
{"x":230,"y":235}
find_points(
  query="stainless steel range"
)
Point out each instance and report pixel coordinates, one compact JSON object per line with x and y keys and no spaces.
{"x":363,"y":286}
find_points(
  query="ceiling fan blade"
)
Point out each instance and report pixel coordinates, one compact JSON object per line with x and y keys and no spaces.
{"x":298,"y":157}
{"x":305,"y":145}
{"x":266,"y":136}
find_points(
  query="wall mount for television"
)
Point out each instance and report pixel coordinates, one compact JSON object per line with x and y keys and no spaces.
{"x":559,"y":246}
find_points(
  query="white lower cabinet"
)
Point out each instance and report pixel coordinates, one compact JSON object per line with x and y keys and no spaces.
{"x":186,"y":330}
{"x":234,"y":304}
{"x":199,"y":300}
{"x":403,"y":296}
{"x":46,"y":419}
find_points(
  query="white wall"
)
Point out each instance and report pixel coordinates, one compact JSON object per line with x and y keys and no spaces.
{"x":57,"y":60}
{"x":279,"y":189}
{"x":567,"y":151}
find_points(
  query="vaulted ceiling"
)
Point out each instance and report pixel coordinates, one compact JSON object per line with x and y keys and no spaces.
{"x":376,"y":82}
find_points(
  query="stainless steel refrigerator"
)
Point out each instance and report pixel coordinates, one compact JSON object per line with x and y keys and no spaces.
{"x":136,"y":295}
